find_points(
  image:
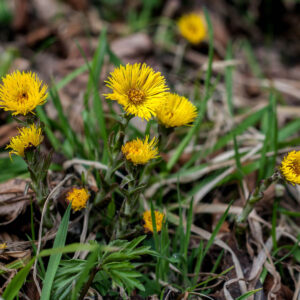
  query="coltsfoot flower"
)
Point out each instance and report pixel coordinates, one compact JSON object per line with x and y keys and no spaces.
{"x":22,"y":92}
{"x":28,"y":137}
{"x":192,"y":27}
{"x":159,"y":218}
{"x":140,"y":152}
{"x":78,"y":198}
{"x":138,"y":88}
{"x":290,"y":167}
{"x":176,"y":111}
{"x":3,"y":246}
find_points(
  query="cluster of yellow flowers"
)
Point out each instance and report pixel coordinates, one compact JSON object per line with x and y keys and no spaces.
{"x":78,"y":198}
{"x":143,"y":93}
{"x":21,"y":93}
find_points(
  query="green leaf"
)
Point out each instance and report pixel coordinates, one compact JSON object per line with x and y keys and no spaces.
{"x":55,"y":258}
{"x":90,"y":263}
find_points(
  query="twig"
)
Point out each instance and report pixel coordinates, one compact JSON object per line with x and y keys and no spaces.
{"x":297,"y":289}
{"x":94,"y":164}
{"x":84,"y":229}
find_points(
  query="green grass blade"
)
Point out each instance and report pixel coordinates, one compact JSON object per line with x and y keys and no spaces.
{"x":239,"y":129}
{"x":270,"y":143}
{"x":248,"y":294}
{"x":215,"y":232}
{"x":288,"y":130}
{"x":44,"y":118}
{"x":54,"y":260}
{"x":17,"y":282}
{"x":228,"y":83}
{"x":188,"y":229}
{"x":71,"y":76}
{"x":64,"y":123}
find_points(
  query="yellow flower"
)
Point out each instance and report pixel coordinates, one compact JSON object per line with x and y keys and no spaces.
{"x":290,"y":167}
{"x":192,"y":27}
{"x":176,"y":111}
{"x":78,"y":198}
{"x":22,"y":92}
{"x":3,"y":246}
{"x":138,"y":88}
{"x":159,"y":217}
{"x":28,"y":137}
{"x":140,"y":152}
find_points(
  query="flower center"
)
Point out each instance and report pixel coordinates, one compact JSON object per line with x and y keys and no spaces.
{"x":136,"y":96}
{"x":192,"y":28}
{"x":23,"y":97}
{"x":296,"y":167}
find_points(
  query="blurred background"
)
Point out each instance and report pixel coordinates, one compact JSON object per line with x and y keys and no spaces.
{"x":56,"y":37}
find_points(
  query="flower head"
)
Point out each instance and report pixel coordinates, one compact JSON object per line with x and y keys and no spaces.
{"x":138,"y":88}
{"x":159,"y":217}
{"x":176,"y":111}
{"x":78,"y":198}
{"x":28,"y":137}
{"x":192,"y":27}
{"x":22,"y":92}
{"x":290,"y":167}
{"x":3,"y":246}
{"x":140,"y":152}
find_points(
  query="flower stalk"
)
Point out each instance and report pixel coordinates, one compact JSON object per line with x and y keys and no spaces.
{"x":38,"y":165}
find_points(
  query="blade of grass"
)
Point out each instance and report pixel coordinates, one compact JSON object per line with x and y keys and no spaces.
{"x":215,"y":232}
{"x":54,"y":260}
{"x":93,"y":87}
{"x":210,"y":279}
{"x":188,"y":229}
{"x":198,"y":263}
{"x":222,"y":141}
{"x":65,"y":125}
{"x":44,"y":118}
{"x":288,"y":130}
{"x":187,"y":236}
{"x":248,"y":294}
{"x":270,"y":142}
{"x":17,"y":282}
{"x":228,"y":82}
{"x":274,"y":222}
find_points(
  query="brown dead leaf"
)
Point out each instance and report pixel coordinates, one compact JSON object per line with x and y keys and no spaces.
{"x":12,"y":200}
{"x":24,"y":255}
{"x":21,"y":15}
{"x":38,"y":35}
{"x":284,"y":292}
{"x":6,"y":132}
{"x":132,"y":46}
{"x":80,"y":5}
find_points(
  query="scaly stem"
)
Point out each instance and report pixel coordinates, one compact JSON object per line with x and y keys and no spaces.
{"x":254,"y":197}
{"x":89,"y":282}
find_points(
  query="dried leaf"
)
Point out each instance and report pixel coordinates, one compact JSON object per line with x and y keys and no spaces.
{"x":12,"y":200}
